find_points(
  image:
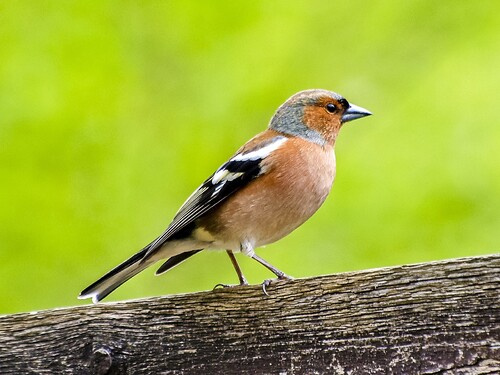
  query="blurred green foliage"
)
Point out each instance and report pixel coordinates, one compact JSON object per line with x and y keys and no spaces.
{"x":112,"y":112}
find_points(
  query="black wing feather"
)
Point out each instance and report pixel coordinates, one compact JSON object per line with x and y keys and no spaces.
{"x":211,"y":193}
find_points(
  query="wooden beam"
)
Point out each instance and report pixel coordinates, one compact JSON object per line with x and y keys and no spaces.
{"x":433,"y":318}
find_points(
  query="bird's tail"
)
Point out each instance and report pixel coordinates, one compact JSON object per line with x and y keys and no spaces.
{"x":117,"y":276}
{"x":175,"y":260}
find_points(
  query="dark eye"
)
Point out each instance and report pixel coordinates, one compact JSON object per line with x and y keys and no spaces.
{"x":330,"y":107}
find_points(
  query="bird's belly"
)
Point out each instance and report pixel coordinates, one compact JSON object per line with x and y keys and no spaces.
{"x":272,"y":206}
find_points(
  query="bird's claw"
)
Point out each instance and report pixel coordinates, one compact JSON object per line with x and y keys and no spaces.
{"x":265,"y":284}
{"x":268,"y":282}
{"x":221,"y":285}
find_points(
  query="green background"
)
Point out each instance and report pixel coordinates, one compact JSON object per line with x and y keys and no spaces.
{"x":113,"y":112}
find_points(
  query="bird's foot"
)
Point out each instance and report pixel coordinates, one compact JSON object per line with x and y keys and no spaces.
{"x":268,"y":282}
{"x":220,"y":285}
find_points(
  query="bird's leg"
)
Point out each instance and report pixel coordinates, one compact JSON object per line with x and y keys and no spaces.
{"x":237,"y":268}
{"x":279,"y":274}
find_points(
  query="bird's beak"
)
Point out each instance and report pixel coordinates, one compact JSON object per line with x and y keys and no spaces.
{"x":354,"y":112}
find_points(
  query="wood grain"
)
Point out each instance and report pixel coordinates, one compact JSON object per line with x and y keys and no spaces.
{"x":433,"y":318}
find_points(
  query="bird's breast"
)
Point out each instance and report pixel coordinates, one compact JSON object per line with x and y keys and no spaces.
{"x":295,"y":182}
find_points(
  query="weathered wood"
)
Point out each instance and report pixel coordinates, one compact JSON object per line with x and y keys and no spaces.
{"x":433,"y":318}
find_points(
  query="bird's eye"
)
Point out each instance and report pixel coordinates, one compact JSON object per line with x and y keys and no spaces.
{"x":330,"y":107}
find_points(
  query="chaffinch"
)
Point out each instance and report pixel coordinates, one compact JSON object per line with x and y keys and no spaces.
{"x":268,"y":188}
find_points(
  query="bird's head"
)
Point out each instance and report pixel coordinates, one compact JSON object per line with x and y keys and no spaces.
{"x":316,"y":115}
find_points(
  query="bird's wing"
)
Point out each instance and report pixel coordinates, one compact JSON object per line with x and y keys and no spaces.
{"x":243,"y":167}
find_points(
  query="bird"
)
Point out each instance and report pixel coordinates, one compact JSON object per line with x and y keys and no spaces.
{"x":272,"y":184}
